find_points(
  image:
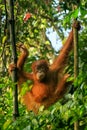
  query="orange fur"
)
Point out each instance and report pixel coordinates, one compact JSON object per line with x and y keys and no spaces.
{"x":53,"y":86}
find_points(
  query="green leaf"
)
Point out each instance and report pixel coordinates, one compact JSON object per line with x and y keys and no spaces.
{"x":34,"y":122}
{"x":75,"y":13}
{"x":25,"y":87}
{"x":83,"y":12}
{"x":6,"y":124}
{"x":67,"y":19}
{"x":4,"y":39}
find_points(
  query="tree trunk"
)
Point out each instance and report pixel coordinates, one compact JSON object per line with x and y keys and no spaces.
{"x":14,"y":56}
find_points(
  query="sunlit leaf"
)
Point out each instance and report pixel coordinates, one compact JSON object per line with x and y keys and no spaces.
{"x":6,"y":124}
{"x":75,"y":13}
{"x":83,"y":12}
{"x":4,"y":39}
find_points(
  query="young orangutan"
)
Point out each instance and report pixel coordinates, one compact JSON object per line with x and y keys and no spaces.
{"x":49,"y":82}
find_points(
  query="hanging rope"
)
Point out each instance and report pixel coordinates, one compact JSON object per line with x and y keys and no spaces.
{"x":76,"y":62}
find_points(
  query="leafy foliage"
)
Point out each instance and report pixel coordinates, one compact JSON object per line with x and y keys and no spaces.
{"x":43,"y":15}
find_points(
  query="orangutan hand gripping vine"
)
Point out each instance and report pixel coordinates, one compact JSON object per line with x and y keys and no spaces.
{"x":49,"y":82}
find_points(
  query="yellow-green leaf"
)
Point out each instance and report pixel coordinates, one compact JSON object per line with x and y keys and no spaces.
{"x":4,"y":39}
{"x":6,"y":124}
